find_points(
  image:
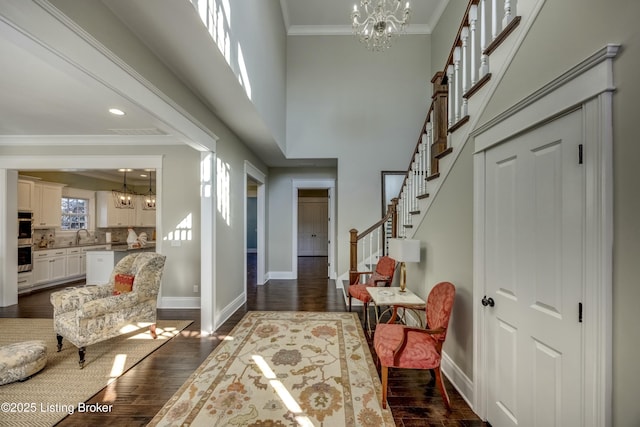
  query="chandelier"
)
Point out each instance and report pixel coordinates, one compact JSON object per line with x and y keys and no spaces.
{"x":124,"y":198}
{"x":381,"y":24}
{"x":149,"y":198}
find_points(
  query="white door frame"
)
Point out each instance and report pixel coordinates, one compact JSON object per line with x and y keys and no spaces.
{"x":330,"y":185}
{"x":587,"y":87}
{"x":258,"y":176}
{"x":9,"y":165}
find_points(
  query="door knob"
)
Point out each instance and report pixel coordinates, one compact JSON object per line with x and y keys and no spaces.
{"x":488,"y":301}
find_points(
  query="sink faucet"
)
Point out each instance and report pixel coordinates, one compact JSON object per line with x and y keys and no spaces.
{"x":78,"y":235}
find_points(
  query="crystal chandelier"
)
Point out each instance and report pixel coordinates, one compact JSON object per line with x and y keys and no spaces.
{"x":124,"y":198}
{"x":382,"y":22}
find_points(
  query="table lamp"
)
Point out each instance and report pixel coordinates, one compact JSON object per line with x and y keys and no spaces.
{"x":404,"y":250}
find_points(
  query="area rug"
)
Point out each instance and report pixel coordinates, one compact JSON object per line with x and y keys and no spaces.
{"x":278,"y":369}
{"x":61,"y":387}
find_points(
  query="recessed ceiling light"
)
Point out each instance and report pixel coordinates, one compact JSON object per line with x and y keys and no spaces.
{"x":143,"y":175}
{"x":116,"y":112}
{"x":125,"y":170}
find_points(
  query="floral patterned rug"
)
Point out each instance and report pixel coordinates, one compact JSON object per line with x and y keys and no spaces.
{"x":278,"y":369}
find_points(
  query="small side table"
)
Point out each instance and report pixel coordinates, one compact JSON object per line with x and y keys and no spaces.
{"x":390,"y":297}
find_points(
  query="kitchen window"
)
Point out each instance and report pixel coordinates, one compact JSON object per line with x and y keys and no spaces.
{"x":75,"y":213}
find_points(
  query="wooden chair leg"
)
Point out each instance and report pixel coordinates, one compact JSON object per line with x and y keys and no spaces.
{"x":152,"y":329}
{"x":443,"y":391}
{"x":59,"y":337}
{"x":81,"y":353}
{"x":385,"y":376}
{"x":349,"y":302}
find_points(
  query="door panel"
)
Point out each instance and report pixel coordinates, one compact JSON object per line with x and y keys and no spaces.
{"x":534,"y":200}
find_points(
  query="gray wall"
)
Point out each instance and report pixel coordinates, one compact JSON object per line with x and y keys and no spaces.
{"x":565,"y":32}
{"x":363,"y":107}
{"x":446,"y":236}
{"x":98,"y":20}
{"x":280,"y":207}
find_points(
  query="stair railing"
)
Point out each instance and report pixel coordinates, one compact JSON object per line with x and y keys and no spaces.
{"x":485,"y":25}
{"x":371,"y":244}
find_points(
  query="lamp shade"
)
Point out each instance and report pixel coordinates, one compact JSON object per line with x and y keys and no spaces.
{"x":404,"y":250}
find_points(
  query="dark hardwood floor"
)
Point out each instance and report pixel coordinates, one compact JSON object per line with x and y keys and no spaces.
{"x":142,"y":391}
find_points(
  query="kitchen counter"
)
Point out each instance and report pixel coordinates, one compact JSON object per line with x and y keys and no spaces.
{"x":123,"y":247}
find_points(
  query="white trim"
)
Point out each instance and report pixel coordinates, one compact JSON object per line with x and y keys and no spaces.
{"x":587,"y":87}
{"x":176,"y":303}
{"x":330,"y":185}
{"x":261,"y":178}
{"x":207,"y":242}
{"x":280,"y":275}
{"x":231,"y":308}
{"x":457,"y":378}
{"x":8,"y":198}
{"x":72,"y":140}
{"x":345,"y":30}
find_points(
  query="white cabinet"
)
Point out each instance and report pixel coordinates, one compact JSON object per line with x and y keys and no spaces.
{"x":49,"y":266}
{"x":144,"y":218}
{"x":75,"y":262}
{"x":25,"y":195}
{"x":46,"y":204}
{"x":110,"y":216}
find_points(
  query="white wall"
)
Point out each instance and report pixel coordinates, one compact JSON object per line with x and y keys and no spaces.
{"x":363,"y":107}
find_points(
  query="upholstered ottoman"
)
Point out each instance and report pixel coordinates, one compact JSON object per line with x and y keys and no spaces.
{"x":21,"y":360}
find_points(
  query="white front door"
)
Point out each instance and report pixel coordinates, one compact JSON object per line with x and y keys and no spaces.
{"x":534,"y":222}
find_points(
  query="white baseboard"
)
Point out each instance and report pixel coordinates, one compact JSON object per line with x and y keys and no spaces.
{"x":458,"y":379}
{"x":179,"y":302}
{"x":231,"y":308}
{"x":280,"y":275}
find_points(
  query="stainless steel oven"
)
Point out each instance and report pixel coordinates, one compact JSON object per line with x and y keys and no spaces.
{"x":25,"y":228}
{"x":25,"y":256}
{"x":25,"y":241}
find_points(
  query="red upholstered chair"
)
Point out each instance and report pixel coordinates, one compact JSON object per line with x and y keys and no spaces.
{"x":400,"y":346}
{"x":382,"y":276}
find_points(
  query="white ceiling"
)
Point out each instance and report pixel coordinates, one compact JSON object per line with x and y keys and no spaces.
{"x":49,"y":98}
{"x":334,"y":16}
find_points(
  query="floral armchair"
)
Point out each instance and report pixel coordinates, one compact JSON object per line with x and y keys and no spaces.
{"x":92,"y":314}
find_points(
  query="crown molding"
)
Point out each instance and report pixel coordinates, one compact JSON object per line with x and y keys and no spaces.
{"x":342,"y":30}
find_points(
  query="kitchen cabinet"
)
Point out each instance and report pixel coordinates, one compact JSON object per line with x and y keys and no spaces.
{"x":110,"y":216}
{"x":46,"y":204}
{"x":49,"y":266}
{"x":144,"y":218}
{"x":25,"y":195}
{"x":75,"y":262}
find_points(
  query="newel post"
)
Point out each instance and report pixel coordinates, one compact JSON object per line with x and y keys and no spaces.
{"x":353,"y":256}
{"x":440,"y":113}
{"x":393,"y":208}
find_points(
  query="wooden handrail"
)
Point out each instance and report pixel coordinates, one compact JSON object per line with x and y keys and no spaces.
{"x":354,"y":237}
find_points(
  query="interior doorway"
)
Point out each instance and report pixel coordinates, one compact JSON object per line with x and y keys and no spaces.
{"x":254,"y":224}
{"x":313,"y":222}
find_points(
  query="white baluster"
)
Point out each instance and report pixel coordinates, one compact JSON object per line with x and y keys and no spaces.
{"x":456,"y":78}
{"x":464,"y":36}
{"x":508,"y":16}
{"x":484,"y":59}
{"x":473,"y":48}
{"x":495,"y":30}
{"x":451,"y":87}
{"x":428,"y":151}
{"x":370,"y":260}
{"x":423,"y":163}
